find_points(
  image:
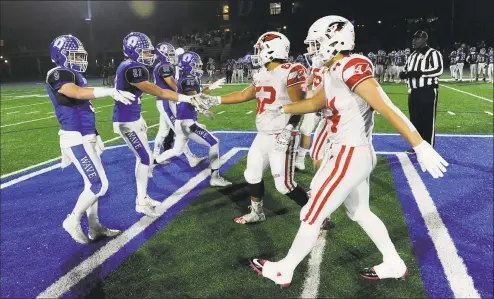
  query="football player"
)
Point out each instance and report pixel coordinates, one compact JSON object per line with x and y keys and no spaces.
{"x":240,"y":70}
{"x":460,"y":62}
{"x":352,"y":94}
{"x":391,"y":67}
{"x":133,"y":76}
{"x":79,"y":140}
{"x":277,"y":82}
{"x":401,"y":60}
{"x":472,"y":59}
{"x":372,"y":57}
{"x":210,"y":68}
{"x":164,"y":74}
{"x":481,"y":60}
{"x":490,"y":70}
{"x":186,"y":118}
{"x":452,"y":64}
{"x":380,"y":62}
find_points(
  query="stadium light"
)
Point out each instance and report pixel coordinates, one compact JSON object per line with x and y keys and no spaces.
{"x":1,"y":57}
{"x":6,"y":61}
{"x":284,"y":27}
{"x":88,"y":19}
{"x":379,"y":22}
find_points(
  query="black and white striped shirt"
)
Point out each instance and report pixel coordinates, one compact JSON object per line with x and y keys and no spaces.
{"x":428,"y":61}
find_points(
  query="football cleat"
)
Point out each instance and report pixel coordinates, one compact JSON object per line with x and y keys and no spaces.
{"x":102,"y":231}
{"x":73,"y":227}
{"x":151,"y":201}
{"x":147,"y":210}
{"x":252,"y":217}
{"x":300,"y":163}
{"x":217,"y":181}
{"x":258,"y":266}
{"x":371,"y":274}
{"x":194,"y":161}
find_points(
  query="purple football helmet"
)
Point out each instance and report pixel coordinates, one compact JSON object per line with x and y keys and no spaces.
{"x":68,"y":51}
{"x":191,"y":63}
{"x":137,"y":46}
{"x":165,"y":52}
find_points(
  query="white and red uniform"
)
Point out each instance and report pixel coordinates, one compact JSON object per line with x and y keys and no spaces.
{"x":343,"y":176}
{"x":320,"y":141}
{"x":272,"y":89}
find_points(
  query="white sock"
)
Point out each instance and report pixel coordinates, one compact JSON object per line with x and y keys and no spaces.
{"x":256,"y":206}
{"x":378,"y":233}
{"x":142,"y":182}
{"x":85,"y":200}
{"x":92,"y":215}
{"x":305,"y":240}
{"x":302,"y":151}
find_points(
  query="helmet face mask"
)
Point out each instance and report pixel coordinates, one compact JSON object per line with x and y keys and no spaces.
{"x":137,"y":47}
{"x":271,"y":45}
{"x":68,"y":51}
{"x":327,"y":37}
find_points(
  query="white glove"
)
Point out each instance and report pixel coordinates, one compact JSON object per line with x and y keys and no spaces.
{"x":430,"y":160}
{"x":203,"y":102}
{"x":217,"y":84}
{"x":124,"y":97}
{"x":283,"y":139}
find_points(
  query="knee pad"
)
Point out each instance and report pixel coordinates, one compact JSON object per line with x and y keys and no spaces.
{"x":308,"y":124}
{"x":251,"y":177}
{"x":257,"y":190}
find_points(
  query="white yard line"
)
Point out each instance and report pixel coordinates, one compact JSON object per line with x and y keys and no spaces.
{"x":452,"y":113}
{"x":32,"y":112}
{"x":312,"y":278}
{"x":468,"y":93}
{"x":14,"y":112}
{"x":221,"y":112}
{"x":249,"y":112}
{"x":490,"y":113}
{"x":27,"y":121}
{"x":460,"y":281}
{"x":66,"y":282}
{"x":22,"y":106}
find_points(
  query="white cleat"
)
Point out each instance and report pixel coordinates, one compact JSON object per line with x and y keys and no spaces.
{"x":300,"y":163}
{"x":102,"y":231}
{"x":151,"y":201}
{"x":252,"y":217}
{"x":73,"y":227}
{"x":217,"y":181}
{"x":194,"y":161}
{"x":147,"y":210}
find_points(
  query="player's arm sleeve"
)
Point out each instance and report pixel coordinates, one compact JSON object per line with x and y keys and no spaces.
{"x":436,"y":65}
{"x":297,"y":75}
{"x":356,"y":71}
{"x":60,"y":77}
{"x":137,"y":74}
{"x":166,"y":71}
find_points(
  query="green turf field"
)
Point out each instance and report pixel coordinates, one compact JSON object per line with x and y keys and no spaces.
{"x":201,"y":252}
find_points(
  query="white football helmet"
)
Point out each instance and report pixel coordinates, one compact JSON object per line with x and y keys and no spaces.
{"x":327,"y":37}
{"x":271,"y":45}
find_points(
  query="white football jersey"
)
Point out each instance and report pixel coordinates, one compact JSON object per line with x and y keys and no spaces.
{"x":318,"y":74}
{"x":272,"y":89}
{"x":352,"y":118}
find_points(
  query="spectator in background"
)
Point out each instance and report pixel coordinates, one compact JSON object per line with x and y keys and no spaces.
{"x":104,"y":73}
{"x":112,"y":71}
{"x":229,"y":71}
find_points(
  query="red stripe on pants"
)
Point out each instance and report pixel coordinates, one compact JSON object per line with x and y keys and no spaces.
{"x":335,"y":184}
{"x":321,"y":189}
{"x":317,"y":145}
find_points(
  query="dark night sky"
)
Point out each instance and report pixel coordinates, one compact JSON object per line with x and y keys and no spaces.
{"x":34,"y":24}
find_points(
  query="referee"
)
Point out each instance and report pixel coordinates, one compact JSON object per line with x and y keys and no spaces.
{"x":422,"y":70}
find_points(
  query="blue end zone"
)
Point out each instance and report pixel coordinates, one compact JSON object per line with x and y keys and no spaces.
{"x":463,"y":198}
{"x":36,"y":251}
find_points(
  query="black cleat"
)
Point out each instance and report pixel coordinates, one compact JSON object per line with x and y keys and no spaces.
{"x":370,"y":274}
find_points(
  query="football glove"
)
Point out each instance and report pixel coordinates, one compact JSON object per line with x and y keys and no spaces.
{"x":430,"y":160}
{"x":201,"y":102}
{"x":121,"y":96}
{"x":217,"y":84}
{"x":283,"y":139}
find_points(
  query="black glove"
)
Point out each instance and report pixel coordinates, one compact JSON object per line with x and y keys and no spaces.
{"x":403,"y":75}
{"x":414,"y":74}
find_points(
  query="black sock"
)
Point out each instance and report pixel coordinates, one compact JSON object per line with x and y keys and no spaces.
{"x":155,"y":162}
{"x":299,"y":196}
{"x":167,"y":143}
{"x":213,"y":171}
